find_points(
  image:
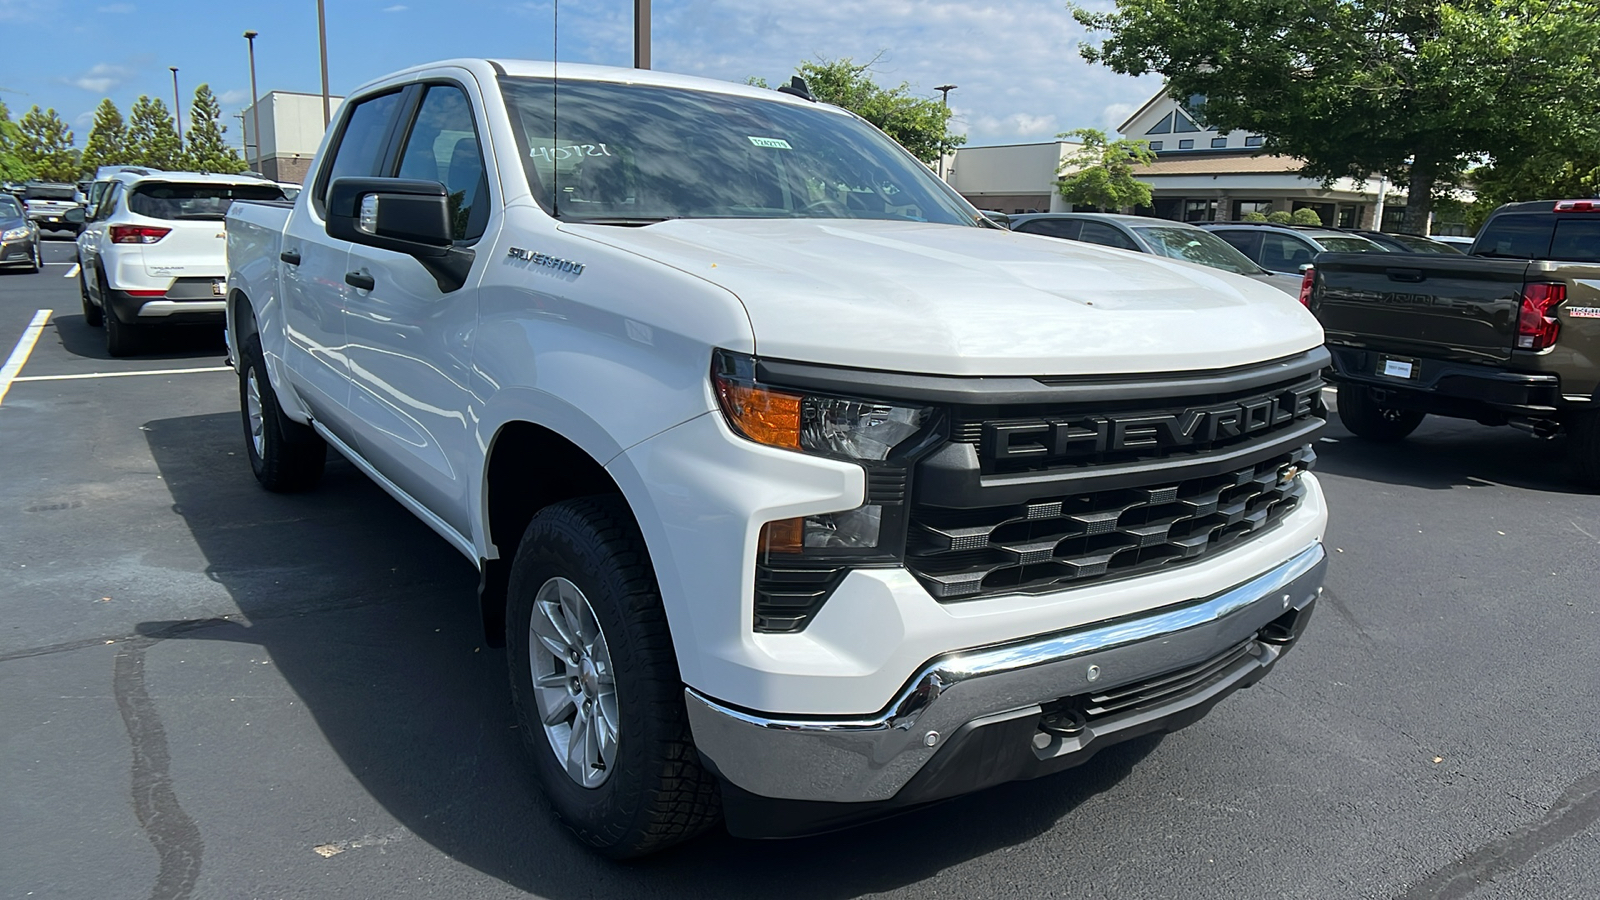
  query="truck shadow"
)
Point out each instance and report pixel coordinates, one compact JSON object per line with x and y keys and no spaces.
{"x":372,"y":621}
{"x":187,"y":342}
{"x":1448,"y":453}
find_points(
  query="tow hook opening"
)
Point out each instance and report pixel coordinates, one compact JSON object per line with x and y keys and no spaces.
{"x":1062,"y":721}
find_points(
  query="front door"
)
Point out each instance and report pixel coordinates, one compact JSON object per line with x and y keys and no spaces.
{"x":410,"y":343}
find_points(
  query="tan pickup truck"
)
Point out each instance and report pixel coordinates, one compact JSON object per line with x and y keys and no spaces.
{"x":1508,"y":336}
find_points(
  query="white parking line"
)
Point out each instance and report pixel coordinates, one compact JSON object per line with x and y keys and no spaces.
{"x":19,"y":353}
{"x":83,"y":375}
{"x":70,"y":272}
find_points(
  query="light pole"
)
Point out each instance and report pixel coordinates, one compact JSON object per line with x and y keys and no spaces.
{"x":641,"y":34}
{"x":255,"y":110}
{"x":944,"y":100}
{"x":322,"y":42}
{"x":177,"y":106}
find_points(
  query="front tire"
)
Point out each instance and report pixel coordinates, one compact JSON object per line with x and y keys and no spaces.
{"x":595,"y":683}
{"x":1367,"y":418}
{"x":38,"y":259}
{"x":285,"y":455}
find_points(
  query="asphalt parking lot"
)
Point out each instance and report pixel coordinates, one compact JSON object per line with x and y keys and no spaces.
{"x":210,"y":691}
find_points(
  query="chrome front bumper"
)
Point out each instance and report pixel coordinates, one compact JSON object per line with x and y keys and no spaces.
{"x":979,"y":716}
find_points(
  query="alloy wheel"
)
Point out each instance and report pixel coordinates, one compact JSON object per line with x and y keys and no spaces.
{"x":252,"y":404}
{"x":574,"y":685}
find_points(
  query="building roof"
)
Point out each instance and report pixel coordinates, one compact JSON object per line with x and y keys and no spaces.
{"x":1202,"y":163}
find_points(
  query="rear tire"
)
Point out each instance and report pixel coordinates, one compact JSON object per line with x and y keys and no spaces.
{"x":92,"y":315}
{"x":584,"y":620}
{"x":1366,"y":418}
{"x":122,"y":340}
{"x":285,"y":455}
{"x":1583,"y":447}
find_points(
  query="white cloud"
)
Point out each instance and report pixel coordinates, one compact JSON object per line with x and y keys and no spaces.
{"x":101,"y":78}
{"x":228,"y":98}
{"x":398,"y":7}
{"x":1115,"y":114}
{"x":116,"y":8}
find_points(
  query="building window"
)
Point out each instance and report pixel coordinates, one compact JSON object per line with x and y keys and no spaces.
{"x":1253,"y":140}
{"x":1162,"y":127}
{"x":1155,"y":145}
{"x":1186,"y":145}
{"x":1243,"y":208}
{"x":1200,"y":211}
{"x":1219,"y":143}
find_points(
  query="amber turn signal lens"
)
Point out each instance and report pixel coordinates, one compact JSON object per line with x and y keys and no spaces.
{"x":782,"y":536}
{"x":762,"y":415}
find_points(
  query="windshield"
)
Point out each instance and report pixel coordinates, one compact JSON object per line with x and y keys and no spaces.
{"x":1345,"y":243}
{"x":161,"y":200}
{"x":633,"y":154}
{"x":1196,"y":246}
{"x":9,"y":208}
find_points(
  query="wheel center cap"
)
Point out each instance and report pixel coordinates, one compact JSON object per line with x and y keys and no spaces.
{"x":588,"y":677}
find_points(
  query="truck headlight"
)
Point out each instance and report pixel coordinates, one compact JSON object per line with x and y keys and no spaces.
{"x":843,"y":427}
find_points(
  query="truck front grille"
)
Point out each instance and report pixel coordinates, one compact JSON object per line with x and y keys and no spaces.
{"x":1084,"y":538}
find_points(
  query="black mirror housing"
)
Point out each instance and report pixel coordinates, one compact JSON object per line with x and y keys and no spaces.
{"x":75,"y":216}
{"x":399,"y":214}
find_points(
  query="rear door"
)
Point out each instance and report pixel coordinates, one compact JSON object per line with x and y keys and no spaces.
{"x":314,"y":265}
{"x":1056,"y":228}
{"x":1244,"y":240}
{"x":1286,"y":253}
{"x":410,"y":344}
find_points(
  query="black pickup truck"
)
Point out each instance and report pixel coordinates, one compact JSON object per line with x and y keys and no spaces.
{"x":1509,"y":335}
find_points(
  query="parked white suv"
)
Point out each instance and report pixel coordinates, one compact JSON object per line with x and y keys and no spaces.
{"x":800,"y":491}
{"x":155,"y":252}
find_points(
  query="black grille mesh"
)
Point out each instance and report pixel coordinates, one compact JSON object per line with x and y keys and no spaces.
{"x":1075,"y":540}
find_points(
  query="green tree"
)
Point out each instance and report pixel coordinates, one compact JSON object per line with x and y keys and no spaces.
{"x":1254,"y":216}
{"x":1280,"y":217}
{"x":1541,"y":176}
{"x":45,"y":146}
{"x":108,"y":139}
{"x":919,"y":124}
{"x":1410,"y":88}
{"x":1101,"y":172}
{"x":152,"y":137}
{"x":1305,"y":216}
{"x":207,"y":151}
{"x":12,"y":166}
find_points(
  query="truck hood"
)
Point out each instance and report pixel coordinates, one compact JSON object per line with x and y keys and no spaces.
{"x":940,"y":299}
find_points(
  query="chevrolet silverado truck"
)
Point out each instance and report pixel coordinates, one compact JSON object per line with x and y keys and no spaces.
{"x":801,"y":493}
{"x":1509,"y":335}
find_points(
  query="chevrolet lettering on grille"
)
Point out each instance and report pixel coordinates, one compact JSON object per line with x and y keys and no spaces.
{"x":1091,"y":435}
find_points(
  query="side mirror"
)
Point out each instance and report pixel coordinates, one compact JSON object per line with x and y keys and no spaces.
{"x":399,"y":214}
{"x":75,"y":216}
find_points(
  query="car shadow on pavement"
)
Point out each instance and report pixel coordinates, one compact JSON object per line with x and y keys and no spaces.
{"x":1448,"y":453}
{"x":186,"y":342}
{"x":372,"y":621}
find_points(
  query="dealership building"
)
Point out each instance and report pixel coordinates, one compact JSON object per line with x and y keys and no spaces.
{"x":291,"y":130}
{"x":1200,"y":175}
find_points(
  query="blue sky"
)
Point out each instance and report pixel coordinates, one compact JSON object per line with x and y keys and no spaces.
{"x":1015,"y":62}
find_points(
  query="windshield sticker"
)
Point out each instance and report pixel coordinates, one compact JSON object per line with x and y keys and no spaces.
{"x":571,"y":151}
{"x":774,"y":143}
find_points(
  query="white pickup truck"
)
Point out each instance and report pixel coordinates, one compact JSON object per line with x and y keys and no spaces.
{"x":801,"y":493}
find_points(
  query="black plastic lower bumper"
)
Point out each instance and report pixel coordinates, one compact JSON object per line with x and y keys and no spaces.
{"x":1460,"y":390}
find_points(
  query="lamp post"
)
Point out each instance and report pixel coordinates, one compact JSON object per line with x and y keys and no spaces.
{"x":944,"y":100}
{"x":641,"y":34}
{"x":322,"y":43}
{"x":255,"y":110}
{"x":177,"y":106}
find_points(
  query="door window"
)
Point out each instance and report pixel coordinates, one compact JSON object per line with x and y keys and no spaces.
{"x":443,"y":146}
{"x":1056,"y":228}
{"x":359,"y":152}
{"x":1577,"y":240}
{"x":1246,"y":241}
{"x":1101,"y":233}
{"x":1284,"y":253}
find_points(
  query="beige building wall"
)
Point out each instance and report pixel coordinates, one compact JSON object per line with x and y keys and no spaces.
{"x":1011,"y":178}
{"x":291,"y":131}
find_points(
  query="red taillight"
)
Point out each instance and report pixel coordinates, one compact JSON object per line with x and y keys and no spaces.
{"x":1537,"y":325}
{"x":138,"y":234}
{"x":146,"y":293}
{"x":1578,"y":206}
{"x":1306,"y":281}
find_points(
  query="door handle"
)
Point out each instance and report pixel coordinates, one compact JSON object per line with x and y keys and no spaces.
{"x":1411,"y":275}
{"x":360,"y":280}
{"x":292,"y":257}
